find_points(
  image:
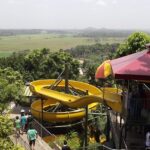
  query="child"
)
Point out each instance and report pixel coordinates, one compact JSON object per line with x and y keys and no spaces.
{"x":31,"y":135}
{"x":65,"y":146}
{"x":17,"y":125}
{"x":23,"y":122}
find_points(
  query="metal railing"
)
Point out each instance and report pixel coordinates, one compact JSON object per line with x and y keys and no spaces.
{"x":42,"y":131}
{"x":97,"y":147}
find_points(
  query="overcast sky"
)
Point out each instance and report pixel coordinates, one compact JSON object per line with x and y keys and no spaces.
{"x":75,"y":14}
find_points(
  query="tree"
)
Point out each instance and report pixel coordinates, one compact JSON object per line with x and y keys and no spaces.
{"x":11,"y":87}
{"x":6,"y":128}
{"x":49,"y":65}
{"x":90,"y":74}
{"x":135,"y":42}
{"x":41,"y":64}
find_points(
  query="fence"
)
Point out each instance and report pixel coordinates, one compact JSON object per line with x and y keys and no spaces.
{"x":42,"y":131}
{"x":97,"y":146}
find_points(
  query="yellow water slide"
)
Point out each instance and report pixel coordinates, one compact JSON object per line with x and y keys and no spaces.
{"x":53,"y":98}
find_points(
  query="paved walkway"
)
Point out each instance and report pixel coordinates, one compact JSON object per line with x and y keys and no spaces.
{"x":22,"y":140}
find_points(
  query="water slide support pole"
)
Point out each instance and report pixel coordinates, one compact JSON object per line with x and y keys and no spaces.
{"x":86,"y":124}
{"x":108,"y":126}
{"x":42,"y":116}
{"x":107,"y":112}
{"x":66,"y":78}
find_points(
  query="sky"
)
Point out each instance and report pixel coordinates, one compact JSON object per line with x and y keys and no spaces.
{"x":74,"y":14}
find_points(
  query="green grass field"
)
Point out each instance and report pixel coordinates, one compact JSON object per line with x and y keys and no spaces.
{"x":54,"y":42}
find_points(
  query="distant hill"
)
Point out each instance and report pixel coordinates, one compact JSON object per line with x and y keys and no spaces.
{"x":88,"y":32}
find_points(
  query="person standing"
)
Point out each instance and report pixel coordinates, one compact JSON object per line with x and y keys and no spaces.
{"x":23,"y":122}
{"x":22,"y":112}
{"x":17,"y":126}
{"x":30,"y":118}
{"x":32,"y":136}
{"x":65,"y":146}
{"x":26,"y":125}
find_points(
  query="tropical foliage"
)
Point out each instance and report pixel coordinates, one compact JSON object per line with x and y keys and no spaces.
{"x":41,"y":64}
{"x":135,"y":42}
{"x":6,"y":128}
{"x":95,"y":50}
{"x":72,"y":139}
{"x":11,"y":87}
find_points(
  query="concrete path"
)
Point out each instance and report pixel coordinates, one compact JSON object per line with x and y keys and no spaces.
{"x":22,"y":140}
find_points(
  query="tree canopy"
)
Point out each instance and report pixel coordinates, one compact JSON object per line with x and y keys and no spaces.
{"x":135,"y":42}
{"x":41,"y":64}
{"x":11,"y":87}
{"x":6,"y":128}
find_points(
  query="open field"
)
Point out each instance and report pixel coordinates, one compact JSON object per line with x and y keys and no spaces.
{"x":9,"y":44}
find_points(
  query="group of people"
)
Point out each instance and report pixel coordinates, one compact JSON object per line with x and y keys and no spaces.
{"x":23,"y":124}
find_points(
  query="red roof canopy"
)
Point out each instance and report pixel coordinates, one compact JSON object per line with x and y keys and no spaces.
{"x":135,"y":66}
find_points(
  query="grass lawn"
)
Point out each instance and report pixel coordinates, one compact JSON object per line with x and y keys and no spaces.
{"x":8,"y":44}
